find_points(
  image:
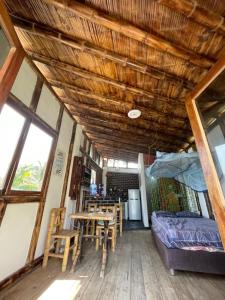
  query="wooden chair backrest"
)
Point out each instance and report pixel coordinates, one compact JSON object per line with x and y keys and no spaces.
{"x":57,"y":218}
{"x":108,"y":209}
{"x":92,"y":207}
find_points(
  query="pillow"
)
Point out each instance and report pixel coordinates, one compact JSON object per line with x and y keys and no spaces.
{"x":164,"y":214}
{"x":187,"y":214}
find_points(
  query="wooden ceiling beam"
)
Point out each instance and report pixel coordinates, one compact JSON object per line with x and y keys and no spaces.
{"x":131,"y":137}
{"x":104,"y":137}
{"x":160,"y":119}
{"x":117,"y":126}
{"x":54,"y":63}
{"x":109,"y":150}
{"x":123,"y":145}
{"x":44,"y":31}
{"x":121,"y":103}
{"x":114,"y":145}
{"x":119,"y":155}
{"x":197,"y":13}
{"x":129,"y":30}
{"x":99,"y":135}
{"x":139,"y":123}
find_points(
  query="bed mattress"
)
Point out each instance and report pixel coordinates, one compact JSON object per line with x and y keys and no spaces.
{"x":188,"y":233}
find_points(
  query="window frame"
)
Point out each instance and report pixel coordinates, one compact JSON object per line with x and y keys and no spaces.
{"x":14,"y":59}
{"x":211,"y":177}
{"x":30,"y":118}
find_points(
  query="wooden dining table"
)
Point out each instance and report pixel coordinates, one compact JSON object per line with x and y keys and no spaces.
{"x":81,"y":217}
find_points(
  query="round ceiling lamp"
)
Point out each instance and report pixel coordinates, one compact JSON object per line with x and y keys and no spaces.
{"x":134,"y":113}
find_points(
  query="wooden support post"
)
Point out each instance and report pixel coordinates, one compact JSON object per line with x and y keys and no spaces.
{"x":14,"y":59}
{"x":209,"y":170}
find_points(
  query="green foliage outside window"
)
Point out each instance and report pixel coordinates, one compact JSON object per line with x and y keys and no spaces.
{"x":29,"y":177}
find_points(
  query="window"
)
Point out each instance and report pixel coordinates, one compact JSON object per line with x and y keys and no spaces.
{"x":33,"y":161}
{"x":91,"y":151}
{"x":93,"y":176}
{"x":120,"y":164}
{"x":101,"y":162}
{"x":132,"y":165}
{"x":110,"y":162}
{"x":11,"y":124}
{"x":4,"y":47}
{"x":26,"y":143}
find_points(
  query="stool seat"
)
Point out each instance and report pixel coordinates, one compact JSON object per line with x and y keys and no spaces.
{"x":54,"y":245}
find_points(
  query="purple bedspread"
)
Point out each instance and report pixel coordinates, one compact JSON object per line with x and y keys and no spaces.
{"x":187,"y":232}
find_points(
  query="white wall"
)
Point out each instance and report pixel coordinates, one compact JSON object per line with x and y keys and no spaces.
{"x":56,"y":181}
{"x":142,"y":185}
{"x":48,"y":107}
{"x":19,"y":219}
{"x":24,"y":84}
{"x":71,"y":204}
{"x":15,"y":236}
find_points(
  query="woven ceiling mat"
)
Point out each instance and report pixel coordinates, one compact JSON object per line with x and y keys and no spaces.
{"x":104,"y":58}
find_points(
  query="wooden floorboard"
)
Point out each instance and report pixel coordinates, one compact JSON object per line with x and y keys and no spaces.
{"x":134,"y":272}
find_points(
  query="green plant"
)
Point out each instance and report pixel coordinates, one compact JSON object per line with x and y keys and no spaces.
{"x":29,"y":177}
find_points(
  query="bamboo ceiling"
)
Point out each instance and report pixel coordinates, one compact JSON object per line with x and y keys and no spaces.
{"x":104,"y":58}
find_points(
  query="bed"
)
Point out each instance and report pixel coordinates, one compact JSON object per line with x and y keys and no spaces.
{"x":188,"y":244}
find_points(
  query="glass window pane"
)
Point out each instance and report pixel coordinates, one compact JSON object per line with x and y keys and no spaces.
{"x":11,"y":123}
{"x":120,"y":164}
{"x":32,"y":165}
{"x":4,"y":47}
{"x":132,"y":165}
{"x":101,"y":162}
{"x":110,"y":162}
{"x":93,"y":176}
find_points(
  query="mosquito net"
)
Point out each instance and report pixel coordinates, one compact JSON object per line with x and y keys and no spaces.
{"x":184,"y":167}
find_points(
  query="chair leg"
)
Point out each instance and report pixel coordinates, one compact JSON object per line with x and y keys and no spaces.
{"x":92,"y":229}
{"x":97,"y":239}
{"x":113,"y":245}
{"x":46,"y":252}
{"x":87,"y":229}
{"x":100,"y":233}
{"x":121,"y":222}
{"x":66,"y":254}
{"x":75,"y":246}
{"x":58,"y":245}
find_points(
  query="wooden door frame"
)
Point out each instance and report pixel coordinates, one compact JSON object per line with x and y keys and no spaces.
{"x":15,"y":56}
{"x":214,"y":188}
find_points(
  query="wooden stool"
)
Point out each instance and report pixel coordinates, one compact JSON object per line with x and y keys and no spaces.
{"x":56,"y":234}
{"x":92,"y":207}
{"x":119,"y":218}
{"x":112,"y":227}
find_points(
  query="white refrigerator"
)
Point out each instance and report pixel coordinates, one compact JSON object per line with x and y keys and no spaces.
{"x":134,"y":204}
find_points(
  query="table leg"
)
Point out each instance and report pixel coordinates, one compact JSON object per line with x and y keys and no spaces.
{"x":104,"y":248}
{"x":79,"y":248}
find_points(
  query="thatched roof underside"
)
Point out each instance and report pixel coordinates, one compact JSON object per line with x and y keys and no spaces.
{"x":104,"y":58}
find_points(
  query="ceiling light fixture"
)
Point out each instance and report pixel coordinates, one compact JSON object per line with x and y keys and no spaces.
{"x":134,"y":113}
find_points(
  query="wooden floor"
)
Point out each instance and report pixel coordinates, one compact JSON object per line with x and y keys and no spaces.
{"x":135,"y":271}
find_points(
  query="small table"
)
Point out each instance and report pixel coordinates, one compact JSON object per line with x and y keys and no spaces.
{"x":97,"y":216}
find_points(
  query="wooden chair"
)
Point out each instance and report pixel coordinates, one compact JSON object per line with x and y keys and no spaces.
{"x":112,"y":227}
{"x":56,"y":234}
{"x":90,"y":226}
{"x":119,"y":218}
